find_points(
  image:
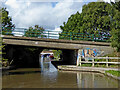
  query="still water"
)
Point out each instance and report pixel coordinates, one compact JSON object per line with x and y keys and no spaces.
{"x":49,"y":77}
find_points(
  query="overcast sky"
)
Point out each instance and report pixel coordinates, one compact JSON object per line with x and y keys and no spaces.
{"x":48,"y":13}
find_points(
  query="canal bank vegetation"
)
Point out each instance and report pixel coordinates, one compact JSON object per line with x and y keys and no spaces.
{"x":6,"y":22}
{"x":4,"y":61}
{"x":99,"y":65}
{"x":113,"y":72}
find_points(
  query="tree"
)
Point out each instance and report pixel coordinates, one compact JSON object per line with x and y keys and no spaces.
{"x":35,"y":32}
{"x":6,"y":21}
{"x":115,"y":38}
{"x":7,"y":27}
{"x":94,"y":19}
{"x":116,"y":4}
{"x":73,"y":25}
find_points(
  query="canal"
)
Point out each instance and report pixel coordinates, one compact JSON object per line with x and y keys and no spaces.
{"x":47,"y":76}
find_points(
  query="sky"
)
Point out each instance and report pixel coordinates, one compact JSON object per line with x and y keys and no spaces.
{"x":49,"y":14}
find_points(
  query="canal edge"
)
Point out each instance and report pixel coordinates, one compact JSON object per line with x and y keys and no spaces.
{"x":85,"y":69}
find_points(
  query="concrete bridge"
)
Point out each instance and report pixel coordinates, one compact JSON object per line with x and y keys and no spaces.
{"x":69,"y":47}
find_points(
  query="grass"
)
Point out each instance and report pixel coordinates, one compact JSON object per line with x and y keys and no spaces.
{"x":100,"y":65}
{"x":86,"y":65}
{"x":115,"y":73}
{"x":99,"y":60}
{"x":114,"y":66}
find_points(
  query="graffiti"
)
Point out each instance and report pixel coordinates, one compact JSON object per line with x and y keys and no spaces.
{"x":89,"y":52}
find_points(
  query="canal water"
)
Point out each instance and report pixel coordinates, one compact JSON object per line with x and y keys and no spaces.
{"x":49,"y":77}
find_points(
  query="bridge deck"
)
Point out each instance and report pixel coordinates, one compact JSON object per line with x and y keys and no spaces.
{"x":56,"y":40}
{"x":52,"y":43}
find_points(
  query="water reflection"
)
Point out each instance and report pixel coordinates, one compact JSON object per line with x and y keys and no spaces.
{"x":95,"y":80}
{"x":48,"y":77}
{"x":46,"y":65}
{"x":48,"y":71}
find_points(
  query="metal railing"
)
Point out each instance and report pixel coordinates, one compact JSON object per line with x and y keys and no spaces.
{"x":55,"y":34}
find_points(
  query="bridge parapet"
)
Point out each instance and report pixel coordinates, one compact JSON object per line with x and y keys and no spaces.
{"x":55,"y":34}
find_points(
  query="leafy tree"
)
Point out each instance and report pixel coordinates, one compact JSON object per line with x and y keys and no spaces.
{"x":73,"y":25}
{"x":115,"y":38}
{"x":116,"y":4}
{"x":7,"y":27}
{"x":97,"y":18}
{"x":6,"y":21}
{"x":94,"y":19}
{"x":35,"y":32}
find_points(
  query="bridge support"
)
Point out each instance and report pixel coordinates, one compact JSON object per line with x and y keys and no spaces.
{"x":69,"y":57}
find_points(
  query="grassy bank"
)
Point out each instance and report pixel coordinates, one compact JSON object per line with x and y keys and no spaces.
{"x":100,"y":65}
{"x":115,"y":73}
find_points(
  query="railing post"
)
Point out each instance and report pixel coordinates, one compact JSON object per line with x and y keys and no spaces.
{"x":70,"y":35}
{"x":92,"y":37}
{"x":93,"y":62}
{"x":106,"y":61}
{"x":48,"y":34}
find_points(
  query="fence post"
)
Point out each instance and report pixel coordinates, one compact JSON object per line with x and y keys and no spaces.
{"x":106,"y":61}
{"x":93,"y":62}
{"x":80,"y":59}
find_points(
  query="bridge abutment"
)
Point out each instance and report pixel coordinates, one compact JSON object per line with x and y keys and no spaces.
{"x":69,"y":56}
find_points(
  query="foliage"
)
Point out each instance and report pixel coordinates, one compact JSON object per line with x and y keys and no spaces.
{"x":6,"y":21}
{"x":114,"y":66}
{"x":99,"y":60}
{"x":86,"y":65}
{"x":115,"y":73}
{"x":57,"y":54}
{"x":100,"y":65}
{"x":94,"y":19}
{"x":115,"y":39}
{"x":4,"y":58}
{"x":116,"y":4}
{"x":7,"y":25}
{"x":35,"y":32}
{"x":98,"y":18}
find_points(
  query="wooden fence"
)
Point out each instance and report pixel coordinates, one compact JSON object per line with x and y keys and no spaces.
{"x":93,"y":62}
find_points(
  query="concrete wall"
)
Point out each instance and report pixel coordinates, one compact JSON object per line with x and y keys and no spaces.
{"x":69,"y":56}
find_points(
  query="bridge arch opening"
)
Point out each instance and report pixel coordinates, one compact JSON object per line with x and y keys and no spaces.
{"x":28,"y":56}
